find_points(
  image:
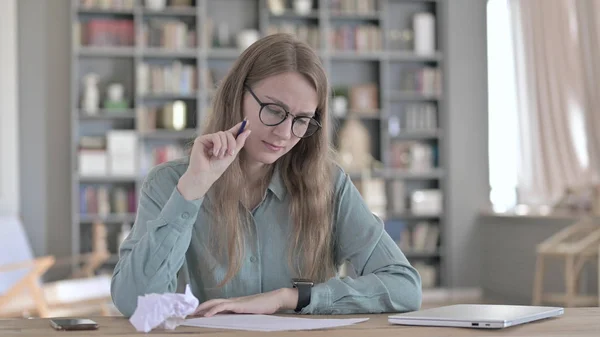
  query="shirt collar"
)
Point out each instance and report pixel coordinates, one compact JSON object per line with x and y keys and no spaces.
{"x":276,"y":185}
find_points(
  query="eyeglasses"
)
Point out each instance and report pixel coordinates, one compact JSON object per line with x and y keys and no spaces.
{"x":272,"y":114}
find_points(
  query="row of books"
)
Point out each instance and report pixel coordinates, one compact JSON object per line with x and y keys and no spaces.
{"x":125,"y":4}
{"x":415,"y":117}
{"x":106,"y":4}
{"x":415,"y":201}
{"x":307,"y":33}
{"x":105,"y":199}
{"x":156,"y":155}
{"x":428,"y":272}
{"x":425,"y":80}
{"x":168,"y":34}
{"x":110,"y":155}
{"x":353,"y":6}
{"x":158,"y":79}
{"x":359,"y":38}
{"x":103,"y":237}
{"x":177,"y":115}
{"x":117,"y":155}
{"x":336,"y":6}
{"x":423,"y":237}
{"x":414,"y":156}
{"x":382,"y":196}
{"x":104,"y":32}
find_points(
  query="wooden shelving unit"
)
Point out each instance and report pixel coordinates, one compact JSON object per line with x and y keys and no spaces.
{"x":384,"y":67}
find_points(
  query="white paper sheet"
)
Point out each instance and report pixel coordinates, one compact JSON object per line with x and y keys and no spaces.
{"x":268,"y":322}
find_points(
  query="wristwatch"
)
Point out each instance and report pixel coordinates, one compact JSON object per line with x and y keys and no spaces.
{"x":304,"y":287}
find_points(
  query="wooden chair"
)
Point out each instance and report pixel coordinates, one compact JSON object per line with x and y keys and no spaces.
{"x":22,"y":291}
{"x":577,"y":244}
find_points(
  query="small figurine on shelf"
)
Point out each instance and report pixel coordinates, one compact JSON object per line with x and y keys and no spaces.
{"x":354,"y":146}
{"x":222,"y":38}
{"x":91,"y":96}
{"x":247,"y":37}
{"x":340,"y":106}
{"x":156,"y":5}
{"x":302,"y":7}
{"x":277,"y":7}
{"x":99,"y":238}
{"x":340,"y":102}
{"x":115,"y":99}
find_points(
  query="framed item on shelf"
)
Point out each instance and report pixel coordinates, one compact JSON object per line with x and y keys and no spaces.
{"x":364,"y":99}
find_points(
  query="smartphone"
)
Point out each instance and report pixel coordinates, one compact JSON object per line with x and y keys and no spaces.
{"x":73,"y":324}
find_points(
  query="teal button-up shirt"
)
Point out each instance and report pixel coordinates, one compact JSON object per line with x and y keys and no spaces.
{"x":169,"y":248}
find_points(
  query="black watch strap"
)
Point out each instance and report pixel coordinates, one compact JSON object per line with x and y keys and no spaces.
{"x":304,"y":287}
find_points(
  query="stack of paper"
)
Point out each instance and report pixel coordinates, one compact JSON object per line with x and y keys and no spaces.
{"x":268,"y":323}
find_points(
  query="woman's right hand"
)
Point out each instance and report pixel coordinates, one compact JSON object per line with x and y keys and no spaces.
{"x":210,"y":156}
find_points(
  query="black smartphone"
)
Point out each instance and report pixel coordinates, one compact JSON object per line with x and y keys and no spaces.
{"x":73,"y":324}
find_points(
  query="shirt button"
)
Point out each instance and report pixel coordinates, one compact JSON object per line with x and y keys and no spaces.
{"x":185,"y":215}
{"x":253,"y":259}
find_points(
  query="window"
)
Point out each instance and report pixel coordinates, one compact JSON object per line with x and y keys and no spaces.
{"x":502,"y":108}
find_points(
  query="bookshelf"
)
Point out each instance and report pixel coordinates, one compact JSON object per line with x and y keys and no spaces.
{"x":166,"y":61}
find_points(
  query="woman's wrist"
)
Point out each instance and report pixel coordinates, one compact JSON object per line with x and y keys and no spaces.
{"x":190,"y":188}
{"x":289,"y":298}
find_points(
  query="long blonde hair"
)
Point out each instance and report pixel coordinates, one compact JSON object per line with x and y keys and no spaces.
{"x":306,"y":169}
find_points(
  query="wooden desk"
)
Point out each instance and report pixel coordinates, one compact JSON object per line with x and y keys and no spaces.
{"x":575,"y":322}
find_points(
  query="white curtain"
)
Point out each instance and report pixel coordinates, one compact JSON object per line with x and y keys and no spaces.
{"x":556,"y":47}
{"x":588,"y":16}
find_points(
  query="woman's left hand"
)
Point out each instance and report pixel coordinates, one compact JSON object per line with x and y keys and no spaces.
{"x":265,"y":303}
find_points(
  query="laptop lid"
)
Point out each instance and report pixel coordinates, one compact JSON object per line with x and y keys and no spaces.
{"x":476,"y":315}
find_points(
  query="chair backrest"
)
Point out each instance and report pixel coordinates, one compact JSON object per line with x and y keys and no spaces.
{"x":14,"y":248}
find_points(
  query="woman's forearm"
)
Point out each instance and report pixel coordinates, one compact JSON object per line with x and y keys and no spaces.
{"x":151,"y":257}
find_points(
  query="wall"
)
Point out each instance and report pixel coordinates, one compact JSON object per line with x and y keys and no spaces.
{"x":9,"y":133}
{"x":44,"y":72}
{"x":508,"y":258}
{"x":467,"y":181}
{"x":58,"y":139}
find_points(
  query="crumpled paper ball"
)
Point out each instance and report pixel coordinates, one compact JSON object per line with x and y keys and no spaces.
{"x":166,"y":311}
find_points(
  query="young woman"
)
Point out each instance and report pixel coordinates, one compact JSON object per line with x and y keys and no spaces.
{"x":259,"y":221}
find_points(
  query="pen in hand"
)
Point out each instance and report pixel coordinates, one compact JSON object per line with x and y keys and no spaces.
{"x":241,"y":127}
{"x":211,"y":154}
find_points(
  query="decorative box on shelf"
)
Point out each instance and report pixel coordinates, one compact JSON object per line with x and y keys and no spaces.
{"x":93,"y":163}
{"x":426,"y":202}
{"x":122,"y":152}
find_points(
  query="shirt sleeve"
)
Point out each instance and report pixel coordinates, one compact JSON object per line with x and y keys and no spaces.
{"x":385,"y":282}
{"x":151,"y":256}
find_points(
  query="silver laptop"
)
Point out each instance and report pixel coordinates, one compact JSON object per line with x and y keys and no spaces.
{"x":476,"y":315}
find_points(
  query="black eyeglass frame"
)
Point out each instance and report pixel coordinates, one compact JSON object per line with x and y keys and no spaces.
{"x":287,"y":114}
